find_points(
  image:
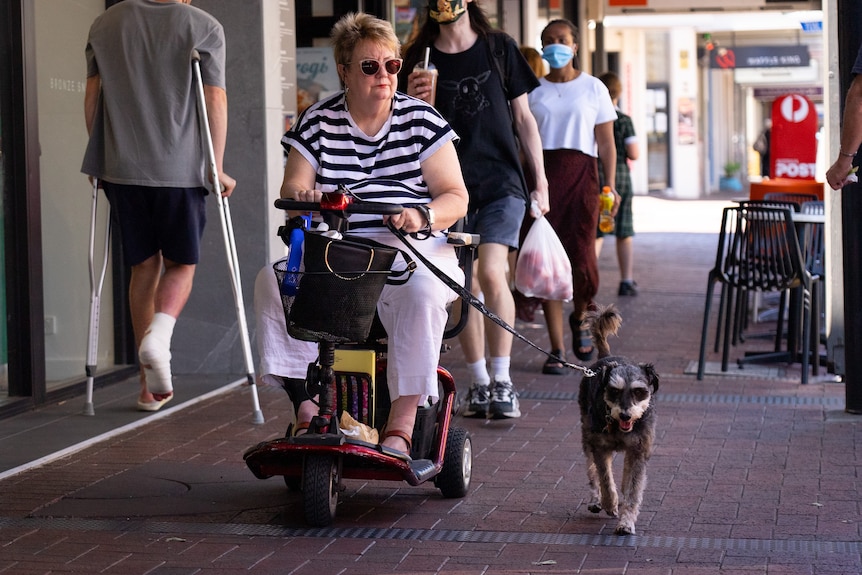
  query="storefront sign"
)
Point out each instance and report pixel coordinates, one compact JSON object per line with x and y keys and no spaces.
{"x":793,"y":144}
{"x":759,"y":57}
{"x":815,"y":27}
{"x":316,"y":76}
{"x":769,"y":93}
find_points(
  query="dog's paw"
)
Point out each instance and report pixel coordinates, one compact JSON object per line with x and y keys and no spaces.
{"x":611,"y":512}
{"x":624,"y":529}
{"x":594,"y":507}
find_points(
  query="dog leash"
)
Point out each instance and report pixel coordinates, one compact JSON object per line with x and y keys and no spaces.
{"x":465,"y":295}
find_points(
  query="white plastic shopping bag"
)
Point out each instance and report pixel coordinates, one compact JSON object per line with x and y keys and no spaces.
{"x":543,"y":269}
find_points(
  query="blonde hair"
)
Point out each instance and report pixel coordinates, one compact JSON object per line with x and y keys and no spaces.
{"x":534,"y":59}
{"x":356,"y":27}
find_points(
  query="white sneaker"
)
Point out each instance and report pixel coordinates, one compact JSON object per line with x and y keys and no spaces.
{"x":504,"y":400}
{"x":476,"y":403}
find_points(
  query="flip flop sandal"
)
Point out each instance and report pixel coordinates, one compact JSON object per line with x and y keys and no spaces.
{"x":154,"y":405}
{"x":581,"y":337}
{"x":554,"y":367}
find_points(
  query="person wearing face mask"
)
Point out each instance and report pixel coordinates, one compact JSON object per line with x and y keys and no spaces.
{"x":575,"y":116}
{"x":482,"y":87}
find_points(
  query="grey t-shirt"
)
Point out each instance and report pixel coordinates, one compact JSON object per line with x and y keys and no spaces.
{"x":146,"y":129}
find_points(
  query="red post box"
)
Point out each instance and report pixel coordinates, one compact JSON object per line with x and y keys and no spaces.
{"x":793,"y":145}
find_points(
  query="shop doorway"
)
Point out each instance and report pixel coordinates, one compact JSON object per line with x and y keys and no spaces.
{"x":658,"y":137}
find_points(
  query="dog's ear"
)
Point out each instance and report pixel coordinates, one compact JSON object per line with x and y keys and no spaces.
{"x":597,"y":386}
{"x":598,"y":409}
{"x":651,"y":375}
{"x":605,"y":373}
{"x":600,"y":382}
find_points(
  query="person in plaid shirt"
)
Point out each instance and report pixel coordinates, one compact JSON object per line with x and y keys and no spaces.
{"x":627,"y":150}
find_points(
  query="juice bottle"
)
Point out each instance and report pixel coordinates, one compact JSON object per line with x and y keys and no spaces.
{"x":606,"y":202}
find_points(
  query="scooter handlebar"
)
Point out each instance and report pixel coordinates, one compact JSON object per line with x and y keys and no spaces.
{"x":353,"y":207}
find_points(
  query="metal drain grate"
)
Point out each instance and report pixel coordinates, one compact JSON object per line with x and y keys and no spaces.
{"x":830,"y":402}
{"x":441,"y":535}
{"x":752,"y":399}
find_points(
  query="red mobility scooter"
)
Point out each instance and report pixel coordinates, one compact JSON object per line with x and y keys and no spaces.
{"x":334,"y":305}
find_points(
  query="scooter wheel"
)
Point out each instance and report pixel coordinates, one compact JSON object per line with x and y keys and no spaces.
{"x":454,"y":478}
{"x":320,"y":489}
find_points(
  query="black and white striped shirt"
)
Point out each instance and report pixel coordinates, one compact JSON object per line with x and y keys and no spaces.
{"x":386,"y":167}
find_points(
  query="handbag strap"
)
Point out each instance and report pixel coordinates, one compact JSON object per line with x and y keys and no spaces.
{"x":468,"y":297}
{"x":397,"y":278}
{"x":339,"y":276}
{"x":292,"y":234}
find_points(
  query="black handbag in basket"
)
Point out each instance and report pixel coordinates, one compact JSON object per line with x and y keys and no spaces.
{"x":339,"y":287}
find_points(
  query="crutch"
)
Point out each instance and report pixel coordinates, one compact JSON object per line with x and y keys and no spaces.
{"x":96,"y":284}
{"x":229,"y":241}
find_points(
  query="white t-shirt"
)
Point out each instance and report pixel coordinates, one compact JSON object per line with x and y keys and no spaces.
{"x":568,"y":112}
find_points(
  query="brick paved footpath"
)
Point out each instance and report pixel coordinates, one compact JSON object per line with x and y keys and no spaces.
{"x":752,"y":474}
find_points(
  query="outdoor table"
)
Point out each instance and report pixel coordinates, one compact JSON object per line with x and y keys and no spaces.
{"x":793,"y":353}
{"x":757,"y":190}
{"x":801,"y":222}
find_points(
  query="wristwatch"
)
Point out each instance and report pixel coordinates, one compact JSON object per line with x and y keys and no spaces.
{"x":427,"y":212}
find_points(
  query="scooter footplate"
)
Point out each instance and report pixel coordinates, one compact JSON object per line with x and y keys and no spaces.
{"x":360,"y":460}
{"x":423,"y":469}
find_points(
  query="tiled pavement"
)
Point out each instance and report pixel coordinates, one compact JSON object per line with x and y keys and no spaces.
{"x":753,"y":473}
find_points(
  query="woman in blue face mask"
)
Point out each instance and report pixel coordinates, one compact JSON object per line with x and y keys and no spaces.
{"x":575,"y":117}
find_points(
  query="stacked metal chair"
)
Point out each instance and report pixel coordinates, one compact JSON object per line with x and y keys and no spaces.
{"x":758,"y":250}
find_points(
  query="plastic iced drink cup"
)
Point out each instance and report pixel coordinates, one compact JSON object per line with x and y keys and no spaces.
{"x":431,"y":72}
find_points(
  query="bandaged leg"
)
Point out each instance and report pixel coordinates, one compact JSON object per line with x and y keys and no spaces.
{"x":155,"y":355}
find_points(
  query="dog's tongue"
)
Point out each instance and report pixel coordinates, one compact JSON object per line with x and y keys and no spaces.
{"x":626,"y":425}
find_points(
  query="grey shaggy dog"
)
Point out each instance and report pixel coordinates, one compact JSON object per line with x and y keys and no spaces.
{"x":617,"y":414}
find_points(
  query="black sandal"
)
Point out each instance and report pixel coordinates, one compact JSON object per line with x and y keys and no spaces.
{"x":581,"y":337}
{"x":553,"y":366}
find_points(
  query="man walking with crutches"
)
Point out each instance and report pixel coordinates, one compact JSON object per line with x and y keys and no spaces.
{"x":145,"y":148}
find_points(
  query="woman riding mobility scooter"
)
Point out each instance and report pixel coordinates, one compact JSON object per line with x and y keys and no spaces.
{"x":331,"y":301}
{"x":391,"y":149}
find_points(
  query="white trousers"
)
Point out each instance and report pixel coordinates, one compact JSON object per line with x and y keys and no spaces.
{"x":414,"y":315}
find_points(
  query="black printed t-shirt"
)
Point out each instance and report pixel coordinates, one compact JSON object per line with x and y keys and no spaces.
{"x":470,"y":96}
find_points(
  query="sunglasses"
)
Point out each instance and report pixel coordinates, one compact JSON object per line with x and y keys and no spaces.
{"x":371,"y":67}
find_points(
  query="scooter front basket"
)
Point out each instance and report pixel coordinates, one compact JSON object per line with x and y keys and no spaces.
{"x":338,"y":288}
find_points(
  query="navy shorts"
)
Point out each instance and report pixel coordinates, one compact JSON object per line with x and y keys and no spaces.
{"x":498,"y":222}
{"x":153,"y":220}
